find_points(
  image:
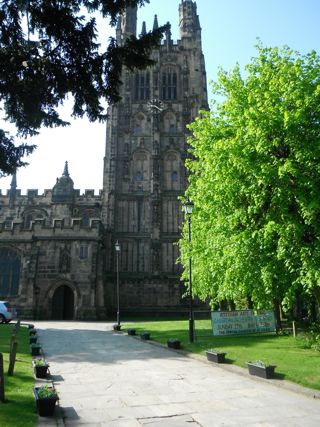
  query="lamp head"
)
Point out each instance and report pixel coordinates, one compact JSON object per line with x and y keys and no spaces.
{"x":188,"y":206}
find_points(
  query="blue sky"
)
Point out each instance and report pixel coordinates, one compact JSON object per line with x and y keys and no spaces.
{"x":229,"y":33}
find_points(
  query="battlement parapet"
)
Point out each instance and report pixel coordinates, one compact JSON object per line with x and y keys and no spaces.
{"x":32,"y":192}
{"x":33,"y":197}
{"x":88,"y":195}
{"x":57,"y":226}
{"x":173,"y":46}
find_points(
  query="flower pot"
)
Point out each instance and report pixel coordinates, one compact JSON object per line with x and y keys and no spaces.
{"x":262,"y":371}
{"x":33,"y":339}
{"x":40,"y":371}
{"x":35,"y":349}
{"x":174,"y":343}
{"x":131,"y":331}
{"x":46,"y":405}
{"x":214,"y":356}
{"x":145,"y":335}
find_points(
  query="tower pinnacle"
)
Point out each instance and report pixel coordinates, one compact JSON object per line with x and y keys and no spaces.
{"x":129,"y":21}
{"x":144,"y":29}
{"x":155,"y":22}
{"x":65,"y":170}
{"x":189,"y":20}
{"x":13,"y":188}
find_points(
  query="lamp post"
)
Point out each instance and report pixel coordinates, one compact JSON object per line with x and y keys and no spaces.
{"x":188,"y":206}
{"x":118,"y":249}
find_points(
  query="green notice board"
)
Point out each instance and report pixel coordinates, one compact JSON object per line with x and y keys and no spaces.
{"x":241,"y":322}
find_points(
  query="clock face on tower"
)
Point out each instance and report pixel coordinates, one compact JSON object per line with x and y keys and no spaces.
{"x":155,"y":105}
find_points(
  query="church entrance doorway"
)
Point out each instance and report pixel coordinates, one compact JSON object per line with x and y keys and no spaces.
{"x":63,"y":303}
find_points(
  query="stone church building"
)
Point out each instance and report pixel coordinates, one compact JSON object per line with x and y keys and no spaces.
{"x":57,"y":250}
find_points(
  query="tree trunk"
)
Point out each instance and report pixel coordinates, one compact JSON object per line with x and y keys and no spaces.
{"x":249,"y":302}
{"x":231,"y":305}
{"x":277,"y":314}
{"x":316,"y":293}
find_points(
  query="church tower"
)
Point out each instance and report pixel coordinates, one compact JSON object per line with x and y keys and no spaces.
{"x":144,"y":173}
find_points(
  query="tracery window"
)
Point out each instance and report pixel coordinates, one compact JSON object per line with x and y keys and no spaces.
{"x":170,"y":123}
{"x":30,"y":215}
{"x":169,"y":84}
{"x":174,"y":176}
{"x":10,"y":266}
{"x":140,"y":126}
{"x":141,"y":171}
{"x":83,"y":252}
{"x":142,"y":86}
{"x":171,"y":171}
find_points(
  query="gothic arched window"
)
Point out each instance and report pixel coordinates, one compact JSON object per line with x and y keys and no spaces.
{"x":140,"y":126}
{"x":170,"y":123}
{"x":31,"y":215}
{"x":86,"y":215}
{"x":10,"y":266}
{"x":174,"y":176}
{"x":171,"y":171}
{"x":139,"y":176}
{"x":169,"y":84}
{"x":142,"y":86}
{"x":141,"y":170}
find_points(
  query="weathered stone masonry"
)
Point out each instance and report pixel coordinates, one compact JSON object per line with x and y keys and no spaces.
{"x":57,"y":256}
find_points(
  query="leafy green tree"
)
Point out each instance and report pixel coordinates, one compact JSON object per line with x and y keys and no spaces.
{"x":255,"y":182}
{"x":48,"y":52}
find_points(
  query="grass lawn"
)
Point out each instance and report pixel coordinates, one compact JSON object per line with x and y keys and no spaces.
{"x":294,"y":362}
{"x":19,"y":408}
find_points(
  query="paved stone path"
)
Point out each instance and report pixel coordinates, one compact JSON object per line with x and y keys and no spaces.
{"x":109,"y":379}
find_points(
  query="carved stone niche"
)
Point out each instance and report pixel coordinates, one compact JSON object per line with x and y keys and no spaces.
{"x":156,"y":147}
{"x":65,"y":259}
{"x":156,"y":254}
{"x":156,"y":169}
{"x":156,"y":212}
{"x":125,"y":168}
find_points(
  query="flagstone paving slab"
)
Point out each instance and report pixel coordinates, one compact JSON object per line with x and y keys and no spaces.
{"x":106,"y":378}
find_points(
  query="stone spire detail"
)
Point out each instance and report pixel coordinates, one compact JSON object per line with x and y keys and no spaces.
{"x":144,"y":29}
{"x":13,"y":188}
{"x":155,"y":22}
{"x":62,"y":191}
{"x":129,"y":21}
{"x":189,"y":20}
{"x":118,"y":31}
{"x":168,"y":35}
{"x":13,"y":184}
{"x":65,"y":170}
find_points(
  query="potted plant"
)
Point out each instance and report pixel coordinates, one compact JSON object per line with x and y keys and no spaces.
{"x":46,"y":398}
{"x":131,"y":331}
{"x":173,"y":343}
{"x":32,"y":332}
{"x":116,"y":327}
{"x":144,"y":335}
{"x":35,"y":349}
{"x":216,"y":356}
{"x":261,"y":369}
{"x":40,"y":367}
